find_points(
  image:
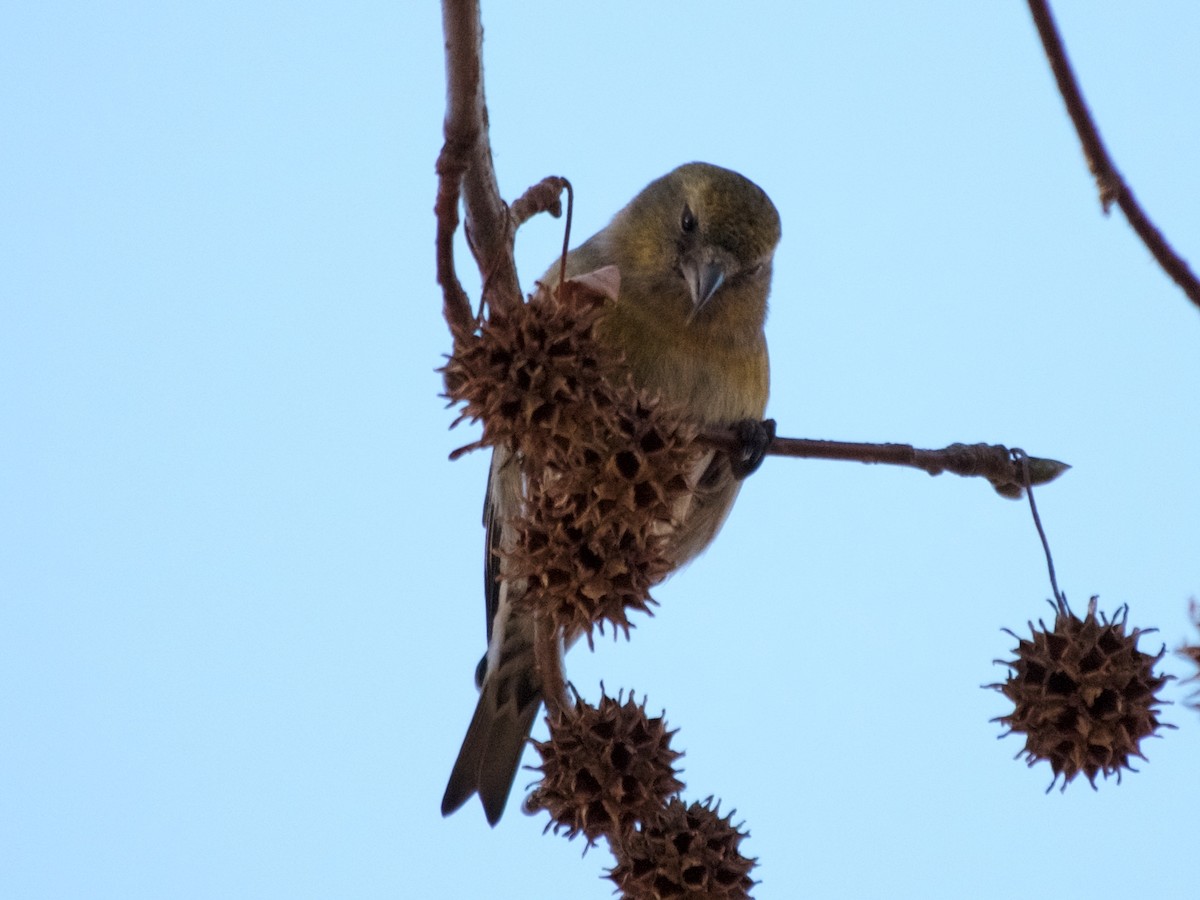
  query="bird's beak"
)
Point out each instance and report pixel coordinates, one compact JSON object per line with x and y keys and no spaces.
{"x":703,"y":278}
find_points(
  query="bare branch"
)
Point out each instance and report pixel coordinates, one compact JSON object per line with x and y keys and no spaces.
{"x":1111,"y":185}
{"x":545,"y":196}
{"x":465,"y":170}
{"x":991,"y":461}
{"x":456,"y":308}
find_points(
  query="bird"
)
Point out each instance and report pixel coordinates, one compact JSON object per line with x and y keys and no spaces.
{"x":694,"y":250}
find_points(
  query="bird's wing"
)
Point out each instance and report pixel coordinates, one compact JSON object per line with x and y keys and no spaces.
{"x":509,"y":700}
{"x":501,"y":502}
{"x":699,"y":515}
{"x":491,"y":544}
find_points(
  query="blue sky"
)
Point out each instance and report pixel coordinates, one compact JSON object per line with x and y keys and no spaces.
{"x":240,"y":587}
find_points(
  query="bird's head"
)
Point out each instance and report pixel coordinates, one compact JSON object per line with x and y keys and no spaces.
{"x":696,"y":235}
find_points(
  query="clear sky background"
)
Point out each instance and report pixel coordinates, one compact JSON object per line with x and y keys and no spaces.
{"x":240,"y":586}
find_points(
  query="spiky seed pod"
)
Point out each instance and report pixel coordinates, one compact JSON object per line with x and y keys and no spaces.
{"x":593,"y":539}
{"x":1084,"y":696}
{"x":605,"y":768}
{"x":605,"y":465}
{"x":686,"y":851}
{"x":530,"y":365}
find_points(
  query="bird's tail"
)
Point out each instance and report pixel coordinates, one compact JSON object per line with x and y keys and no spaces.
{"x":491,"y":752}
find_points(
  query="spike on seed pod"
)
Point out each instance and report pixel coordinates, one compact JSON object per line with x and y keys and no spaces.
{"x":684,"y":851}
{"x":1084,"y":696}
{"x":604,"y":768}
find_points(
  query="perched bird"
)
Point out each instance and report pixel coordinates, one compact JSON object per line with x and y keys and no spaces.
{"x":694,"y":251}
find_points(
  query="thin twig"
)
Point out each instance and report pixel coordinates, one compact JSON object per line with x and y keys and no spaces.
{"x":1112,"y":186}
{"x":991,"y":461}
{"x":456,"y":308}
{"x":566,"y":244}
{"x":545,"y":196}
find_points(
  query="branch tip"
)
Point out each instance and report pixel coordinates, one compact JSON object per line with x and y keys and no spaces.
{"x":1109,"y":182}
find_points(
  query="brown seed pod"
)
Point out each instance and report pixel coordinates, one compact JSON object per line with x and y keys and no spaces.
{"x":592,"y":539}
{"x":605,"y":768}
{"x":1084,"y":696}
{"x":604,"y":464}
{"x":530,"y":363}
{"x":686,"y":851}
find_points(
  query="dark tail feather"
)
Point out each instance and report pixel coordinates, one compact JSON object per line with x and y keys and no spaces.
{"x":491,"y":752}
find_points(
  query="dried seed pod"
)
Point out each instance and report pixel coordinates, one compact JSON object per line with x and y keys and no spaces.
{"x":530,"y":363}
{"x":686,"y":851}
{"x":1084,"y":696}
{"x":605,"y":465}
{"x":605,"y":768}
{"x":592,"y":539}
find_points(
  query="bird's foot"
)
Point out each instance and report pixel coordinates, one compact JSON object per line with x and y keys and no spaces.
{"x":755,"y":438}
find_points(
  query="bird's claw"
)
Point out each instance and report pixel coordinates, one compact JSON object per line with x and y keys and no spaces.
{"x":755,"y":438}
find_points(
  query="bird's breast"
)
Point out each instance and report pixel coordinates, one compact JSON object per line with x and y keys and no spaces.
{"x":713,"y":379}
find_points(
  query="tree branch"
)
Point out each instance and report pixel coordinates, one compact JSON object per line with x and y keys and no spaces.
{"x":1111,"y":184}
{"x":465,"y":171}
{"x":991,"y":461}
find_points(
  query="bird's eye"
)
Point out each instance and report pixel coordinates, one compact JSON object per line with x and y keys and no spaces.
{"x":688,"y":220}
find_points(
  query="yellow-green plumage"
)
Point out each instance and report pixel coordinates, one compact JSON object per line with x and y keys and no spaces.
{"x":712,"y":361}
{"x":694,"y":252}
